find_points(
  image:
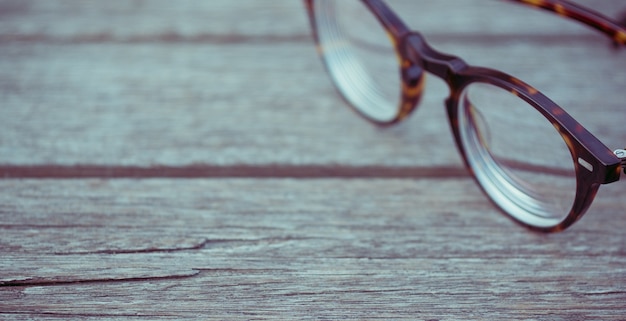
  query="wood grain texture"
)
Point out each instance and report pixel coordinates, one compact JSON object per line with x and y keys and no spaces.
{"x":287,"y":248}
{"x":134,"y":98}
{"x":192,"y":160}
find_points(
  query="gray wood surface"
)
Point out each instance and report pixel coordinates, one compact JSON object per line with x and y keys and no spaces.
{"x":191,"y":160}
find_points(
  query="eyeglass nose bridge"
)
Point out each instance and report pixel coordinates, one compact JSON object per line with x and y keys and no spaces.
{"x":425,"y":57}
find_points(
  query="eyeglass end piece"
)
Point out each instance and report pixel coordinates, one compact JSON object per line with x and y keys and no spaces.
{"x":621,"y":154}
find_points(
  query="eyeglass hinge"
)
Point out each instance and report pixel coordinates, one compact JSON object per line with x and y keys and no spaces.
{"x":621,"y":154}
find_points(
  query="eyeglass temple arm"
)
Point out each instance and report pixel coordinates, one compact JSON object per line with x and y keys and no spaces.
{"x":582,"y":14}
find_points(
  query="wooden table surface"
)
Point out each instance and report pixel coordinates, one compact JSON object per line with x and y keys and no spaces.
{"x":192,"y":160}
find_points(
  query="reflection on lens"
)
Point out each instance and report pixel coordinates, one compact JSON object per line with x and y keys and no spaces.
{"x":518,"y":156}
{"x":360,"y":57}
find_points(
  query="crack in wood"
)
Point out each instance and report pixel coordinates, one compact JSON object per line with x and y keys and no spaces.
{"x":204,"y":244}
{"x":197,"y":246}
{"x":244,"y":271}
{"x":56,"y":282}
{"x":63,"y":316}
{"x":606,"y":293}
{"x":193,"y":273}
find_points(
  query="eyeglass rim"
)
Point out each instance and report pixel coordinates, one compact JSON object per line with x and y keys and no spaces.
{"x":585,"y":149}
{"x":574,"y":11}
{"x":413,"y":79}
{"x":563,"y":8}
{"x":582,"y":144}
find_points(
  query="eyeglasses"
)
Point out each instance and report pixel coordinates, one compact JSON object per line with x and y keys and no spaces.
{"x":531,"y":158}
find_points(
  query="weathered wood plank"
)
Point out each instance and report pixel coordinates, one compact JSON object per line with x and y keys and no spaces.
{"x":240,"y":248}
{"x":251,"y":113}
{"x":202,"y":101}
{"x":95,"y":20}
{"x":342,"y":289}
{"x":149,"y":20}
{"x":253,"y":103}
{"x":60,"y":108}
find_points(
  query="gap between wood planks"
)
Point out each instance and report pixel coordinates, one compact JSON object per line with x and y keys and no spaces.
{"x":231,"y":171}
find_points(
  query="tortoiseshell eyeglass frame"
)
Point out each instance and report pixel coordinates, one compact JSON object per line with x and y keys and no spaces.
{"x":416,"y":56}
